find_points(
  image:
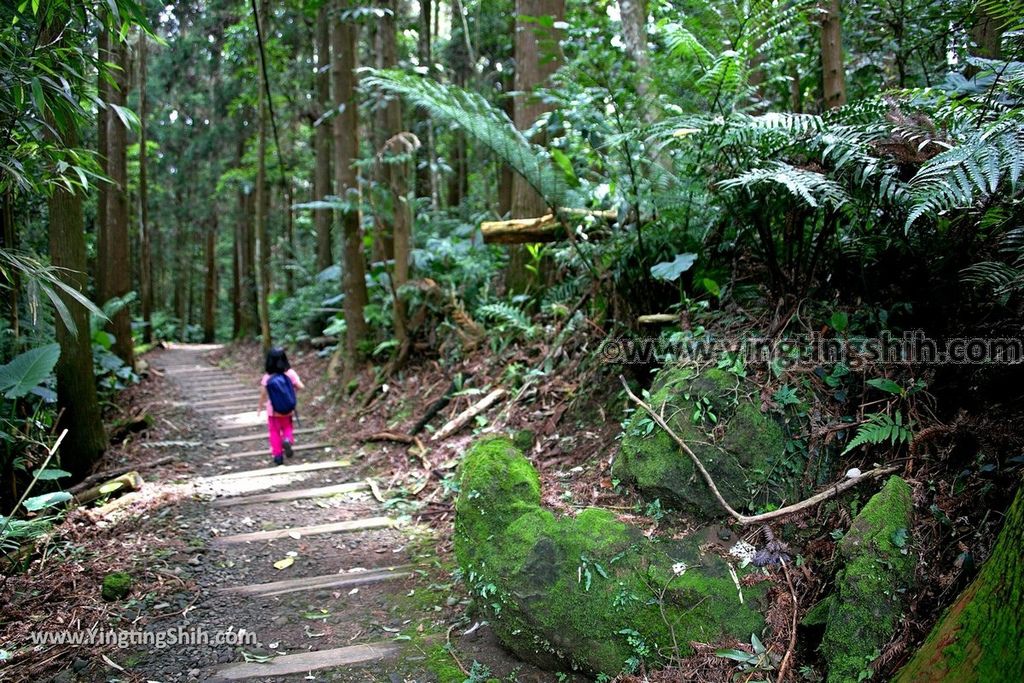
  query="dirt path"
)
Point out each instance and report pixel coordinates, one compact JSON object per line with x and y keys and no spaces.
{"x":359,"y":599}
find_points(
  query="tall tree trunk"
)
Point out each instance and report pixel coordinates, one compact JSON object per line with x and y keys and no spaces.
{"x":397,"y":176}
{"x":979,"y":636}
{"x":145,"y":246}
{"x":263,"y":197}
{"x":633,"y":16}
{"x":322,"y":142}
{"x":9,"y":241}
{"x":236,"y":279}
{"x":77,"y":405}
{"x":987,"y":34}
{"x":426,"y":174}
{"x":102,"y":124}
{"x":538,"y":55}
{"x":386,"y":58}
{"x":211,"y":284}
{"x":833,"y":73}
{"x":346,"y":151}
{"x":115,"y":258}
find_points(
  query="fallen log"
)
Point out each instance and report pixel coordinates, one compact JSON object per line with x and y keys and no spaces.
{"x":657,"y":319}
{"x":118,"y":471}
{"x":130,"y":481}
{"x":460,"y":420}
{"x":546,"y":228}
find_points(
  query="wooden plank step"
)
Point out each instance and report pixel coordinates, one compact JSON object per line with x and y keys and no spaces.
{"x":263,"y":451}
{"x":233,"y":408}
{"x":280,"y":469}
{"x":263,"y":435}
{"x":306,"y":662}
{"x":347,"y":526}
{"x":309,"y":583}
{"x":210,"y":399}
{"x":294,"y":494}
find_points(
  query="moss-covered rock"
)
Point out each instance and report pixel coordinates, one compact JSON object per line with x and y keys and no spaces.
{"x":726,"y":430}
{"x":116,"y":586}
{"x":587,"y":591}
{"x":878,"y":569}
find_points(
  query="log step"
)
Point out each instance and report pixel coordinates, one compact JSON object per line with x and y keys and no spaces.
{"x":343,"y":580}
{"x":286,"y":469}
{"x":295,"y":494}
{"x":264,"y":451}
{"x":263,"y":435}
{"x":347,"y":526}
{"x":305,"y":662}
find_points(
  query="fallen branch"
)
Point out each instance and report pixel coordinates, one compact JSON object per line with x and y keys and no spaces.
{"x":784,"y":666}
{"x":657,"y":319}
{"x":401,"y":438}
{"x":130,"y":481}
{"x":546,"y":228}
{"x":830,"y":492}
{"x":460,"y":420}
{"x":110,"y":474}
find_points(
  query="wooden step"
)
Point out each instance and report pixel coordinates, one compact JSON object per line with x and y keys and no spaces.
{"x":237,"y":406}
{"x":347,"y":526}
{"x":278,"y":470}
{"x":309,"y":583}
{"x":263,"y":451}
{"x":208,"y":400}
{"x":305,"y":662}
{"x":263,"y":435}
{"x":294,"y":494}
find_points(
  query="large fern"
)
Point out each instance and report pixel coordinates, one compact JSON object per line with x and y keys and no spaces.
{"x":486,"y":123}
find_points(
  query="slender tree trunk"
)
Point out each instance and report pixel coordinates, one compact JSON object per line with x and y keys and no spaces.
{"x":263,"y":198}
{"x":145,"y":246}
{"x":346,"y":151}
{"x":987,"y":34}
{"x":833,"y":72}
{"x":236,"y":279}
{"x":102,"y":151}
{"x":979,"y":636}
{"x":77,"y":404}
{"x":9,"y":235}
{"x":397,"y":177}
{"x":115,"y":257}
{"x":211,"y":284}
{"x":538,"y":55}
{"x":322,"y":142}
{"x":633,"y":14}
{"x":426,"y":175}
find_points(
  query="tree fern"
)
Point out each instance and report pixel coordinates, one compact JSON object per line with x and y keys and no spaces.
{"x":486,"y":123}
{"x":813,"y":188}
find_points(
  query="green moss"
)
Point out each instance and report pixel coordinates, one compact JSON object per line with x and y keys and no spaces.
{"x":441,"y":664}
{"x":737,"y":445}
{"x":877,"y":571}
{"x":584,"y":590}
{"x":116,"y":586}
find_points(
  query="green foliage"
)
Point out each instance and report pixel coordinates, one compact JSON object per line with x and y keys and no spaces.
{"x":879,"y":428}
{"x":25,"y":372}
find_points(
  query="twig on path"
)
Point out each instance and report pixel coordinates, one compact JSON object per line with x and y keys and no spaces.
{"x":460,"y":420}
{"x":830,"y":492}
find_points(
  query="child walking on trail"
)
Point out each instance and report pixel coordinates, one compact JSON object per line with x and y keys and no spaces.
{"x":277,"y":395}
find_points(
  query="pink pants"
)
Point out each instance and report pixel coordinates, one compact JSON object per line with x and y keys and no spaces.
{"x":279,"y":428}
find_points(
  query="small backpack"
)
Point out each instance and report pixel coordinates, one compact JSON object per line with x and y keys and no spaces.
{"x":281,"y":393}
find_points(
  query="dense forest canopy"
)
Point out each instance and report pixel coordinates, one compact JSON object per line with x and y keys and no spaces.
{"x":586,"y":213}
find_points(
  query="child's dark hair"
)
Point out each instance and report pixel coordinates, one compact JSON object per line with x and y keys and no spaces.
{"x":277,"y":361}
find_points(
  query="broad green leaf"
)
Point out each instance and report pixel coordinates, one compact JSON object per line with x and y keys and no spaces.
{"x":886,"y":385}
{"x":670,"y":271}
{"x":27,"y":370}
{"x":46,"y":500}
{"x":51,"y":473}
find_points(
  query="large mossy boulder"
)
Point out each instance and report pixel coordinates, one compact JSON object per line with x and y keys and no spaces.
{"x":712,"y":413}
{"x":588,"y":591}
{"x":872,"y":585}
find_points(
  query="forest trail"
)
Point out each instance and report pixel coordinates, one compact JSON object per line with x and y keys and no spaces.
{"x":343,"y":608}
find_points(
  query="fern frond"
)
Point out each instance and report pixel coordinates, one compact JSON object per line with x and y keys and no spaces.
{"x":880,"y":428}
{"x":815,"y":189}
{"x":507,"y":316}
{"x":483,"y":121}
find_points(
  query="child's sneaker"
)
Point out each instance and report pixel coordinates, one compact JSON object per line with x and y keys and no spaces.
{"x":278,"y":459}
{"x":287,"y":449}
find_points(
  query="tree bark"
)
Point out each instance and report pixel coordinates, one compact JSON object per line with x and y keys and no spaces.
{"x":346,"y":151}
{"x":633,"y":16}
{"x":398,"y":181}
{"x":115,"y":256}
{"x":9,"y":241}
{"x":538,"y":55}
{"x":833,"y":72}
{"x":145,"y":246}
{"x":77,"y":404}
{"x":979,"y":636}
{"x":322,"y":143}
{"x":426,"y":175}
{"x":987,"y":34}
{"x":263,"y":196}
{"x":102,"y":123}
{"x":211,"y":284}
